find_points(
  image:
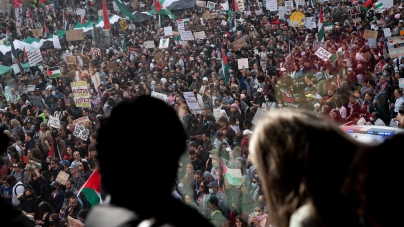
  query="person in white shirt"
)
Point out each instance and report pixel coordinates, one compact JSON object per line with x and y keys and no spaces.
{"x":18,"y":189}
{"x":341,"y":109}
{"x":399,"y":100}
{"x":376,"y":119}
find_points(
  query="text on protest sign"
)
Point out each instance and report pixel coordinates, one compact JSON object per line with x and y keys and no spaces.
{"x":34,"y":57}
{"x":186,"y":35}
{"x":80,"y":94}
{"x":216,"y":114}
{"x":287,"y":97}
{"x":149,"y":44}
{"x":80,"y":121}
{"x":242,"y":63}
{"x":199,"y":35}
{"x":396,"y":52}
{"x":160,"y":96}
{"x":74,"y":35}
{"x":36,"y":101}
{"x":370,"y":34}
{"x":164,"y":43}
{"x":193,"y":104}
{"x":62,"y":177}
{"x":168,"y":30}
{"x":323,"y":54}
{"x":81,"y":132}
{"x":54,"y":122}
{"x":238,"y":44}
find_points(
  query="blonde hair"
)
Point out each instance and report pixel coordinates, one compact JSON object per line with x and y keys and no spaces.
{"x":288,"y":150}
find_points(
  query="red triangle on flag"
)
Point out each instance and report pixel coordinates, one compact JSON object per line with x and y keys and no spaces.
{"x":46,"y":28}
{"x":107,"y":25}
{"x":25,"y":53}
{"x":49,"y":73}
{"x":83,"y":20}
{"x":157,"y":5}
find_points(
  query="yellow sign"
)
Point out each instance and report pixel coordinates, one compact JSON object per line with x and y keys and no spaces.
{"x":297,"y":16}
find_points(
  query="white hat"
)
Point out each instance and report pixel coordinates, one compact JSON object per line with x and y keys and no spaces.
{"x":67,"y":51}
{"x":164,"y":80}
{"x":246,"y":132}
{"x":205,"y":78}
{"x":118,"y":60}
{"x":191,"y":58}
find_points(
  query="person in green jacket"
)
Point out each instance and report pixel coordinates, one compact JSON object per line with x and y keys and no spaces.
{"x":216,"y":216}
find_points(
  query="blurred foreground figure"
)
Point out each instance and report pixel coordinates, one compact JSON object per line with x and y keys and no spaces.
{"x":304,"y":161}
{"x":141,"y":182}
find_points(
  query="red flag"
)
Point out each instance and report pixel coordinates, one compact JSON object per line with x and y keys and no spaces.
{"x":157,"y":5}
{"x":107,"y":25}
{"x":235,"y":5}
{"x":41,"y":1}
{"x":29,"y":13}
{"x":83,"y":20}
{"x":25,"y":53}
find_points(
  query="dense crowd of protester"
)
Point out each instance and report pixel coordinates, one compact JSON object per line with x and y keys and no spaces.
{"x":358,"y":85}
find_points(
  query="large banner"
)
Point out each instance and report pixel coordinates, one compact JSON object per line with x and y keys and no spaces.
{"x":80,"y":94}
{"x":395,"y":40}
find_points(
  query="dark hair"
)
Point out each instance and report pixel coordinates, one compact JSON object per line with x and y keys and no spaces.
{"x":68,"y":194}
{"x":205,"y":186}
{"x":45,"y":207}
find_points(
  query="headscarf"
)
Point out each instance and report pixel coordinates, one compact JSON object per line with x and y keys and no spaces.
{"x":223,"y":113}
{"x":236,"y":106}
{"x":7,"y":92}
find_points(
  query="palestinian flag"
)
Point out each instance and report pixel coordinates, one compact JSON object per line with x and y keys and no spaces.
{"x":225,"y":66}
{"x":92,"y":188}
{"x":107,"y":24}
{"x":176,"y":4}
{"x":367,"y":4}
{"x":141,"y":16}
{"x":124,"y":10}
{"x":321,"y":31}
{"x":54,"y":72}
{"x":158,"y":8}
{"x":233,"y":176}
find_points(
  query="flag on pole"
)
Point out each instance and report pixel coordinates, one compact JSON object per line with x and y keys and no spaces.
{"x":321,"y":32}
{"x":107,"y":25}
{"x":54,"y":72}
{"x":225,"y":66}
{"x":158,"y":8}
{"x":17,"y":67}
{"x":25,"y":53}
{"x":124,"y":10}
{"x":92,"y":188}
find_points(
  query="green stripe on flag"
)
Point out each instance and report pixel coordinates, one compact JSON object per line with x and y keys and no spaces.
{"x":124,"y":10}
{"x":233,"y":180}
{"x":91,"y":195}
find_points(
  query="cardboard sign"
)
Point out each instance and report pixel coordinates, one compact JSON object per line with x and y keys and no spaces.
{"x":356,"y":20}
{"x":81,"y":132}
{"x":149,"y":44}
{"x":323,"y":54}
{"x":113,"y":66}
{"x":74,"y":222}
{"x":158,"y":56}
{"x":216,"y":114}
{"x":366,"y":55}
{"x":37,"y":32}
{"x":199,"y":35}
{"x":160,"y":96}
{"x":258,"y":115}
{"x":240,"y":4}
{"x":238,"y":44}
{"x":370,"y":34}
{"x":242,"y":63}
{"x":80,"y":121}
{"x":206,"y":15}
{"x":70,"y":60}
{"x":135,"y":4}
{"x":62,"y":177}
{"x":54,"y":122}
{"x":74,"y":35}
{"x":34,"y":57}
{"x":80,"y":94}
{"x":193,"y":104}
{"x":36,"y":101}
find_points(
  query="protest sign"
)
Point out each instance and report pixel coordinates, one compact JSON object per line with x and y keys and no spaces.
{"x":287,"y":97}
{"x":199,"y":35}
{"x":81,"y":132}
{"x":158,"y":56}
{"x":80,"y":121}
{"x":96,"y":79}
{"x":168,"y":30}
{"x":387,"y":4}
{"x":216,"y":113}
{"x":160,"y":96}
{"x":387,"y":32}
{"x":281,"y":12}
{"x":62,"y":177}
{"x":309,"y":22}
{"x":323,"y":54}
{"x":31,"y":87}
{"x":80,"y":94}
{"x":293,"y":23}
{"x":370,"y":34}
{"x":187,"y":35}
{"x":200,"y":100}
{"x":396,"y":52}
{"x":149,"y":44}
{"x":288,"y":5}
{"x":38,"y":25}
{"x":395,"y":40}
{"x":70,"y":60}
{"x":36,"y":32}
{"x":214,"y":15}
{"x":135,"y":4}
{"x":36,"y":101}
{"x":34,"y":57}
{"x":206,"y":15}
{"x":192,"y":102}
{"x":74,"y":35}
{"x":210,"y":5}
{"x":240,"y":5}
{"x":81,"y":12}
{"x":242,"y":63}
{"x":401,"y":82}
{"x":74,"y":222}
{"x":238,"y":44}
{"x":54,"y":122}
{"x":356,"y":20}
{"x":164,"y":43}
{"x":372,"y":43}
{"x":258,"y":115}
{"x":113,"y":66}
{"x":258,"y":12}
{"x":273,"y":5}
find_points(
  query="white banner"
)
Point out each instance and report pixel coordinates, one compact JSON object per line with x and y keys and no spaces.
{"x":168,"y":30}
{"x":199,"y":35}
{"x":396,"y":52}
{"x":281,"y":12}
{"x":160,"y":96}
{"x":186,"y":35}
{"x":323,"y":54}
{"x":395,"y":40}
{"x":164,"y":43}
{"x":193,"y":104}
{"x":81,"y":12}
{"x":34,"y":57}
{"x":309,"y":22}
{"x":289,"y":5}
{"x":56,"y":42}
{"x":54,"y":122}
{"x":273,"y":5}
{"x":387,"y":4}
{"x":149,"y":44}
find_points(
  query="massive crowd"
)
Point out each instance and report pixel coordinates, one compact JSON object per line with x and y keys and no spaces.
{"x":359,"y":84}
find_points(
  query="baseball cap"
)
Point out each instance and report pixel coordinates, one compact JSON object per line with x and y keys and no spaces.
{"x":213,"y":184}
{"x":54,"y":184}
{"x":73,"y":166}
{"x":246,"y":132}
{"x":65,"y":162}
{"x":212,"y":199}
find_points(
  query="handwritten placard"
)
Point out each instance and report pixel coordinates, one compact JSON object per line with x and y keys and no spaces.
{"x":70,"y":60}
{"x":36,"y":32}
{"x":54,"y":122}
{"x":206,"y":15}
{"x":149,"y":44}
{"x":36,"y":101}
{"x":199,"y":35}
{"x":74,"y":35}
{"x":323,"y":54}
{"x":370,"y":34}
{"x":193,"y":104}
{"x":242,"y":63}
{"x":62,"y":177}
{"x":80,"y":94}
{"x":81,"y":132}
{"x":238,"y":44}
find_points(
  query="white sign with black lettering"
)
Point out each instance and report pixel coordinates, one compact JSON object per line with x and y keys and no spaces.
{"x":81,"y":132}
{"x":323,"y":54}
{"x":54,"y":122}
{"x":34,"y":57}
{"x":160,"y":96}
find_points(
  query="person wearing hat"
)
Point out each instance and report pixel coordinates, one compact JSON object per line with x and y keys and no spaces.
{"x":216,"y":217}
{"x":214,"y":191}
{"x":76,"y":176}
{"x":57,"y":197}
{"x":245,"y":142}
{"x":65,"y":164}
{"x":204,"y":86}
